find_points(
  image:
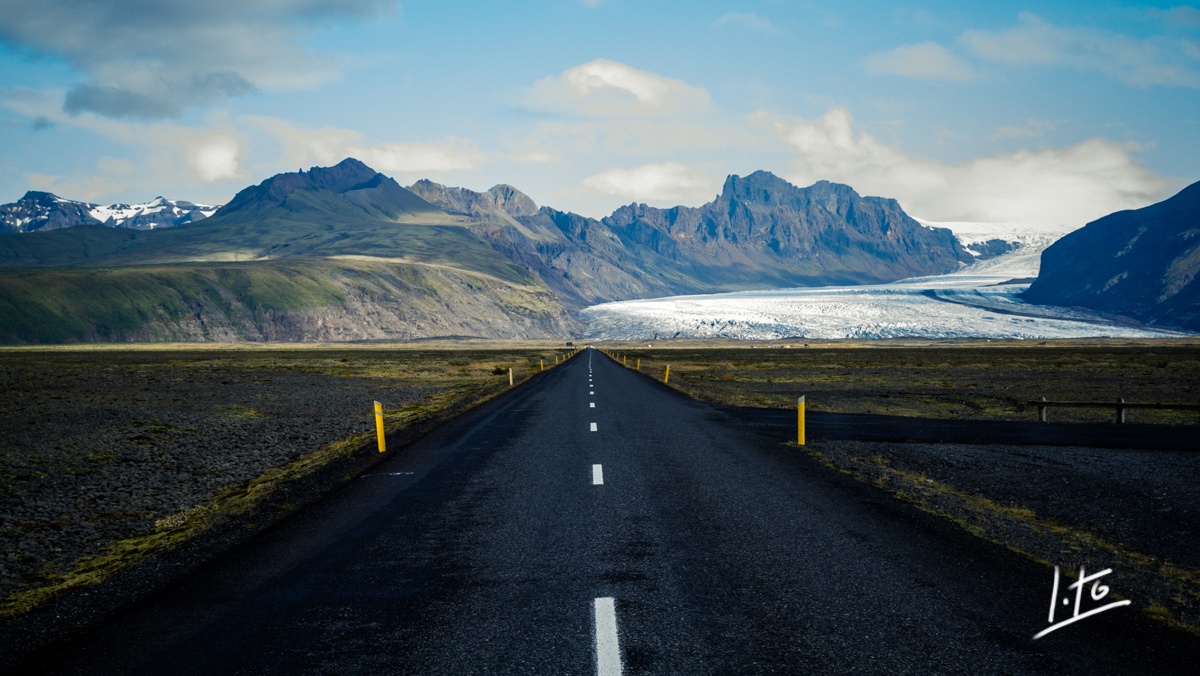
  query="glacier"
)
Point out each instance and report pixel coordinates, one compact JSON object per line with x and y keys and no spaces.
{"x":982,"y":300}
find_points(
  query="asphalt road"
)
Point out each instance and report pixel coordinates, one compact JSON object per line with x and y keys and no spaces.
{"x":698,"y":545}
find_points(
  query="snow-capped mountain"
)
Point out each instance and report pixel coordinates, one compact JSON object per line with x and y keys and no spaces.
{"x":47,"y":211}
{"x":1003,"y":248}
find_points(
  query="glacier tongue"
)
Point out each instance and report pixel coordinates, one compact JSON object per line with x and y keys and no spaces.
{"x":979,"y":301}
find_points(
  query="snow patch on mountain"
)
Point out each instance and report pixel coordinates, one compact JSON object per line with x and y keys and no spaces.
{"x":1026,"y":244}
{"x":46,"y":211}
{"x":158,"y":212}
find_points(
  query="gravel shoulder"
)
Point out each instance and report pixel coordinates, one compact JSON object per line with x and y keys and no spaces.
{"x":1135,"y":511}
{"x":98,"y":447}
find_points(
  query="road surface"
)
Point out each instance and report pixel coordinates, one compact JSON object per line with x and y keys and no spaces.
{"x":595,"y":521}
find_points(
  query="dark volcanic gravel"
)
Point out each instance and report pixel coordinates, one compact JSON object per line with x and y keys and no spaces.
{"x":1144,"y":501}
{"x":97,"y":446}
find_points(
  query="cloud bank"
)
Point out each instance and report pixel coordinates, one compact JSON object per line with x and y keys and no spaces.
{"x":927,"y":60}
{"x":307,"y":146}
{"x":1147,"y":62}
{"x":1058,"y":186}
{"x":152,"y":59}
{"x":656,"y":183}
{"x":604,"y":88}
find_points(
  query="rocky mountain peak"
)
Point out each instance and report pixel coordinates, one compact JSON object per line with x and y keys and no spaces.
{"x":512,"y":201}
{"x":761,"y":186}
{"x":343,"y":176}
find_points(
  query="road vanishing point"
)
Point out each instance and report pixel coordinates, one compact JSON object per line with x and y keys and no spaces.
{"x":595,"y":521}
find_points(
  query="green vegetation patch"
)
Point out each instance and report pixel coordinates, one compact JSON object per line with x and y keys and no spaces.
{"x":978,"y":382}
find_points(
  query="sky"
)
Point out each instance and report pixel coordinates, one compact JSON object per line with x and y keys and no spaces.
{"x":1047,"y":114}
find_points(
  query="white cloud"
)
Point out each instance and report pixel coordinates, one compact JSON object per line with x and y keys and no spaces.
{"x":305,"y":146}
{"x":214,"y":158}
{"x":666,"y":183}
{"x":1059,"y":186}
{"x":447,"y":155}
{"x":749,"y":21}
{"x":174,"y":152}
{"x":1141,"y":62}
{"x":925,"y":61}
{"x":150,"y":59}
{"x":607,"y":88}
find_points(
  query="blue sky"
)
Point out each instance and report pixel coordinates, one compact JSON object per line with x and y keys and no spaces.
{"x":991,"y":111}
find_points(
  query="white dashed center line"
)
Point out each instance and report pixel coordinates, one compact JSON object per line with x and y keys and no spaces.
{"x":593,"y":427}
{"x":591,"y":404}
{"x":597,"y":475}
{"x":591,"y":391}
{"x":608,"y":649}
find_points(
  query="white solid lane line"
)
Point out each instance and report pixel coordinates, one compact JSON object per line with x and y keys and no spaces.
{"x":608,"y":649}
{"x":593,"y":427}
{"x":591,"y":404}
{"x":597,"y":475}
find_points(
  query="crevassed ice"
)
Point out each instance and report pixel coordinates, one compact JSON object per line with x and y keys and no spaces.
{"x":972,"y":303}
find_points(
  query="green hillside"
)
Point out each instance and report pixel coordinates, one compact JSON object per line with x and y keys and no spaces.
{"x":280,"y":233}
{"x":339,"y":253}
{"x":294,"y":299}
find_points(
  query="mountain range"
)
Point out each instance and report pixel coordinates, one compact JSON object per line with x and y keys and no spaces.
{"x":39,"y":211}
{"x":1141,"y":264}
{"x":760,"y":232}
{"x":346,"y":253}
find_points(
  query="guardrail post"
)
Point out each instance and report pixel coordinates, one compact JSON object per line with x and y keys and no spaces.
{"x":1042,"y":411}
{"x":379,"y":427}
{"x":800,"y":421}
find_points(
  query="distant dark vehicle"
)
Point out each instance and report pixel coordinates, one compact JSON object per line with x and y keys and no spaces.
{"x":570,"y":344}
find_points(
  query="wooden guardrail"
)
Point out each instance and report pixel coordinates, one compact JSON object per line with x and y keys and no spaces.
{"x":1119,"y":405}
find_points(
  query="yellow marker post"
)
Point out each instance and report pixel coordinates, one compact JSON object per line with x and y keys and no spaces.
{"x":639,"y":365}
{"x":379,"y":427}
{"x":541,"y":364}
{"x":667,"y":375}
{"x":625,"y":360}
{"x":800,"y":421}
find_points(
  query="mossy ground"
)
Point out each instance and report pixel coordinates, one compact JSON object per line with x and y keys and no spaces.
{"x":992,"y":381}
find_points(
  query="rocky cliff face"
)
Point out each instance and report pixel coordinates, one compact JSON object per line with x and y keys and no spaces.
{"x":760,"y":232}
{"x":1141,"y":263}
{"x":823,"y":234}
